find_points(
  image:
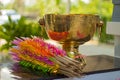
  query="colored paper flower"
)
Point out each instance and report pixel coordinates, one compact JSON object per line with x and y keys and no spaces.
{"x":36,"y":51}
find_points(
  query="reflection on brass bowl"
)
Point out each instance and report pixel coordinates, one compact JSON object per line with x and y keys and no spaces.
{"x":70,"y":30}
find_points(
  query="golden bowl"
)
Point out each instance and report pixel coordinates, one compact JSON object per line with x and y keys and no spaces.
{"x":72,"y":29}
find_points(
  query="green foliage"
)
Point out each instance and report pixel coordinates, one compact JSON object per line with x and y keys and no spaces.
{"x":105,"y":38}
{"x":1,"y":5}
{"x":21,"y":28}
{"x":99,"y":7}
{"x":47,"y":6}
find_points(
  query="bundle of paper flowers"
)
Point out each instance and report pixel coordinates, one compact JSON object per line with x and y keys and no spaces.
{"x":37,"y":54}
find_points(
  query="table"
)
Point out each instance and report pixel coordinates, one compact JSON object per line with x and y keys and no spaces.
{"x":96,"y":64}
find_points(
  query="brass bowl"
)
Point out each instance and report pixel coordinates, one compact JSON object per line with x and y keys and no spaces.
{"x":73,"y":28}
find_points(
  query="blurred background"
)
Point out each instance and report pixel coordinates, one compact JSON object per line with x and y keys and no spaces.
{"x":19,"y":18}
